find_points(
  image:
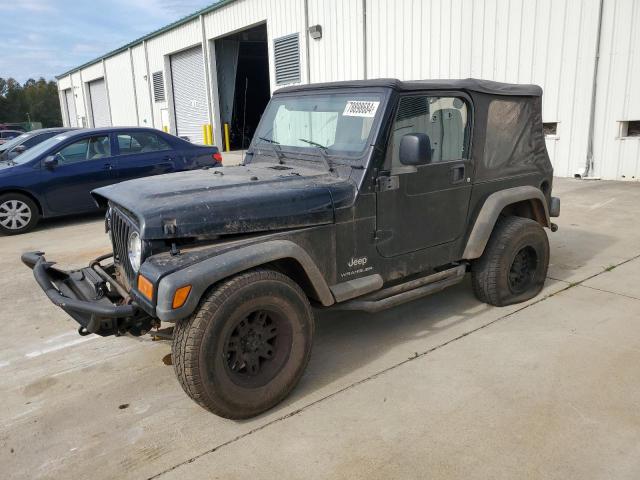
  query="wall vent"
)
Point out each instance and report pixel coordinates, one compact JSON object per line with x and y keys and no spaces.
{"x":287,"y":59}
{"x":158,"y":87}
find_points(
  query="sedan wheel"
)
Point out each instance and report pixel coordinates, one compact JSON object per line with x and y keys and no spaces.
{"x":18,"y":214}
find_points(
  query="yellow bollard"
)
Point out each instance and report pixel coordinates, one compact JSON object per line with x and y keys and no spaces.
{"x":204,"y":135}
{"x":209,"y":134}
{"x":165,"y":129}
{"x":226,"y":138}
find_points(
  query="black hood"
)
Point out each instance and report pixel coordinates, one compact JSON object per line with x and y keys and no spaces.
{"x":230,"y":200}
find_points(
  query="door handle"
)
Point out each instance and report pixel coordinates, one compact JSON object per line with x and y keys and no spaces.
{"x":457,"y":174}
{"x":108,"y":166}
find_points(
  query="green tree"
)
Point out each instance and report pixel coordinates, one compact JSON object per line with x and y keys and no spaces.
{"x":37,"y":98}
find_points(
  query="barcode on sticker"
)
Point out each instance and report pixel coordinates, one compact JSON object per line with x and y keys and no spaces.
{"x":360,"y":108}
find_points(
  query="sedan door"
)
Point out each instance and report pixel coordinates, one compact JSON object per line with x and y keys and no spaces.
{"x":80,"y":166}
{"x":142,"y":154}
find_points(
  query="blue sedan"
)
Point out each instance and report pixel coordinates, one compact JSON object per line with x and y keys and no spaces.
{"x":56,"y":177}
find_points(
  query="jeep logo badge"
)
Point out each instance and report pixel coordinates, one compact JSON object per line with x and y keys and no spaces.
{"x":357,"y":262}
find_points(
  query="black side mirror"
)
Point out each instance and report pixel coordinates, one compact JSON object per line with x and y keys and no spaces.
{"x":415,"y":149}
{"x":20,"y":149}
{"x":51,"y":162}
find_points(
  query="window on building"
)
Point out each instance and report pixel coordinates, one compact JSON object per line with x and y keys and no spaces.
{"x":158,"y":86}
{"x":443,"y":119}
{"x":630,"y":128}
{"x":550,"y":128}
{"x":140,"y":142}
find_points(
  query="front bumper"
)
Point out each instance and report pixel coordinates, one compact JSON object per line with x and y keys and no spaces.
{"x":91,"y":296}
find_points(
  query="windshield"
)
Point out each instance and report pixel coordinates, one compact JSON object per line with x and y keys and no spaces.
{"x":338,"y":123}
{"x":13,"y":142}
{"x":38,"y":149}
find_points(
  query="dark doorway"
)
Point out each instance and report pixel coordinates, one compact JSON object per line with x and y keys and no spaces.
{"x":242,"y":61}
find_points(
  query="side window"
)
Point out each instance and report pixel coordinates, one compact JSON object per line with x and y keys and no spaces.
{"x":444,"y":119}
{"x":37,"y":139}
{"x":141,"y":142}
{"x":127,"y":144}
{"x":85,"y":149}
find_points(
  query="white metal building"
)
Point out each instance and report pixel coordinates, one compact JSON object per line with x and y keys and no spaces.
{"x":221,"y":64}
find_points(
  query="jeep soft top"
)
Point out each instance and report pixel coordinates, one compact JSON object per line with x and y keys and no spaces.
{"x":353,"y":195}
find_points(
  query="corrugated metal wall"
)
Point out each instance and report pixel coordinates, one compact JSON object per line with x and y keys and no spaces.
{"x":618,"y":89}
{"x":339,"y":54}
{"x":548,"y":42}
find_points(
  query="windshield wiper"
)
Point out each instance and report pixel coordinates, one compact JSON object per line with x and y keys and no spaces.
{"x":323,"y":152}
{"x":275,"y":146}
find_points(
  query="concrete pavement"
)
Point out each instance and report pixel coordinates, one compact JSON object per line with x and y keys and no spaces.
{"x":444,"y":387}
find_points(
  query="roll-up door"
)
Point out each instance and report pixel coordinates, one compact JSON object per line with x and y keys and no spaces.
{"x":189,"y":94}
{"x":71,"y":108}
{"x":99,"y":103}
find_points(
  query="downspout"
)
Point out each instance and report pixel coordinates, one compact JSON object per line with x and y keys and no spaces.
{"x":592,"y":114}
{"x":306,"y":38}
{"x":106,"y":87}
{"x":364,"y":38}
{"x":135,"y":92}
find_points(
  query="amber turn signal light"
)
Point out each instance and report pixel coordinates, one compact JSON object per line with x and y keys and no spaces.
{"x":181,"y":296}
{"x":145,"y":287}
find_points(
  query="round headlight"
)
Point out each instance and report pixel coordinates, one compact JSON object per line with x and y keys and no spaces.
{"x":134,"y":249}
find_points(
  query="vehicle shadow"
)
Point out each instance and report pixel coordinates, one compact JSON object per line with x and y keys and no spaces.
{"x":348,"y":345}
{"x":68,"y":221}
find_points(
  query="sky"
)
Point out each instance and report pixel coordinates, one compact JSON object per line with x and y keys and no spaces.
{"x":44,"y":38}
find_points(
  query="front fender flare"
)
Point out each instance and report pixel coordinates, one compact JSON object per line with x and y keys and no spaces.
{"x":204,"y":274}
{"x":493,"y":205}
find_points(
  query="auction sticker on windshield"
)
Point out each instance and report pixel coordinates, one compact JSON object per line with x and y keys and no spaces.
{"x":360,"y":108}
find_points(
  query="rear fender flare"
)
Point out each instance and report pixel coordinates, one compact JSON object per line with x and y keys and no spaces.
{"x":493,"y":206}
{"x":204,"y":274}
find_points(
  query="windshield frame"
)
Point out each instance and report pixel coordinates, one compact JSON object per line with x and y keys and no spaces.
{"x":261,"y":147}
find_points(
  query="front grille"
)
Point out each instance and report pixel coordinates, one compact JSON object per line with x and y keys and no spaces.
{"x":121,"y":226}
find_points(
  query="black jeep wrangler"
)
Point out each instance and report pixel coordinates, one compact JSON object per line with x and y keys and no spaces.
{"x":353,"y":195}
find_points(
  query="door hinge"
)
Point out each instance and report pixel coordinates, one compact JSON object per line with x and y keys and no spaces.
{"x":385,"y":183}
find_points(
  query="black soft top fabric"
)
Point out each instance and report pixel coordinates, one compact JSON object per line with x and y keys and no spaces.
{"x":469,"y":84}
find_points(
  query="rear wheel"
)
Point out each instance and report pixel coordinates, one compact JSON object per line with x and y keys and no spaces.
{"x":514,"y":264}
{"x":246,"y":346}
{"x":18,"y":214}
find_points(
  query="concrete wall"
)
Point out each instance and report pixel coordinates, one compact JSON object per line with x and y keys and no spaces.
{"x":548,"y":42}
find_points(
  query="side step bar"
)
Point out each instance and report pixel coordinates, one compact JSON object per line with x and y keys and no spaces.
{"x":404,"y":292}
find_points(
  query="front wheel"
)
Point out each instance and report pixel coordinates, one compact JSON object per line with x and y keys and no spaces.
{"x":246,"y":346}
{"x":18,"y":214}
{"x":514,"y":264}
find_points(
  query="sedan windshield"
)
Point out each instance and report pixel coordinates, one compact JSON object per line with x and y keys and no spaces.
{"x":339,"y":124}
{"x":39,"y":149}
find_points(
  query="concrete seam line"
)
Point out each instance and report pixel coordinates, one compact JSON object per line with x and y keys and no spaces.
{"x":378,"y":374}
{"x":631,"y":297}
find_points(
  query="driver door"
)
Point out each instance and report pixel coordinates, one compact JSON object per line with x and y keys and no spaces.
{"x":82,"y":166}
{"x":424,"y":206}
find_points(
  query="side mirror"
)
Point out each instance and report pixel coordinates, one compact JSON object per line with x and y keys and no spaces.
{"x":20,"y":149}
{"x":415,"y":149}
{"x":51,"y":162}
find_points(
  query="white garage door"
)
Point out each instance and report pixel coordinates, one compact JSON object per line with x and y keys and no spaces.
{"x":71,"y":108}
{"x":99,"y":103}
{"x":189,"y":93}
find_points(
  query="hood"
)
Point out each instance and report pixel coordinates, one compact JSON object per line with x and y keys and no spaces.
{"x":230,"y":200}
{"x":7,"y":166}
